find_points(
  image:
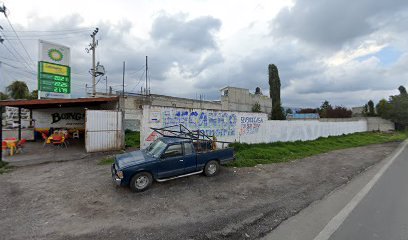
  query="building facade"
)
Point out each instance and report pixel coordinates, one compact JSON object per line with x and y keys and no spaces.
{"x":241,"y":100}
{"x":232,"y":99}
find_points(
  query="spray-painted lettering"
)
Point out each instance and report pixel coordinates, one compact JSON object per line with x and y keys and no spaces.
{"x":250,"y":125}
{"x":212,"y":123}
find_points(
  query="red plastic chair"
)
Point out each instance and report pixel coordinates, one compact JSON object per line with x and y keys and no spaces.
{"x":45,"y":138}
{"x":20,"y":145}
{"x":57,"y":140}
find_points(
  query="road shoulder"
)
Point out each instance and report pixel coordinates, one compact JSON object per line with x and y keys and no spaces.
{"x":309,"y":222}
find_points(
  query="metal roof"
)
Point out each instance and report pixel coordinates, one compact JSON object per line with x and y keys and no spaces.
{"x":55,"y":103}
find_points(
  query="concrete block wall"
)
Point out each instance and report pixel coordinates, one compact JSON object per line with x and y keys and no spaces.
{"x":379,"y":124}
{"x":244,"y":127}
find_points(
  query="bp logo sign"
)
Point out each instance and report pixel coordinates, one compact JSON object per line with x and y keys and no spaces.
{"x":55,"y":54}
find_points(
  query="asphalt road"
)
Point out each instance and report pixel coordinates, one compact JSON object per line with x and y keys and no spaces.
{"x":383,"y":212}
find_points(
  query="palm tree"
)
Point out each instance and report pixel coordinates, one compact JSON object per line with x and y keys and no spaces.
{"x":3,"y":96}
{"x":18,"y":90}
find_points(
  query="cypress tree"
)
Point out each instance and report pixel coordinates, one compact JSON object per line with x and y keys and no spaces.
{"x":274,"y":92}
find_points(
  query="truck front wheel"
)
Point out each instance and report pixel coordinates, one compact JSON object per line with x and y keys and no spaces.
{"x":211,"y":168}
{"x":141,"y":182}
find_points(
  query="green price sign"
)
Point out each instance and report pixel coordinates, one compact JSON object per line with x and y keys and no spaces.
{"x":54,"y":78}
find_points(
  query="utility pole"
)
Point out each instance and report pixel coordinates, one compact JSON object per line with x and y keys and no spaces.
{"x":92,"y":47}
{"x":106,"y":85}
{"x":146,"y":89}
{"x":123,"y":81}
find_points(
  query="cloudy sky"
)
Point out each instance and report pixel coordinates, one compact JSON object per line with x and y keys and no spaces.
{"x":345,"y":51}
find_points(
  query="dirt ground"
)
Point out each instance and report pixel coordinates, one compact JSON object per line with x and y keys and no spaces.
{"x":77,"y":199}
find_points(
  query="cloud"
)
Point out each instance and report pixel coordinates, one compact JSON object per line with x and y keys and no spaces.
{"x":335,"y":50}
{"x":193,"y":35}
{"x":176,"y":44}
{"x":333,"y":23}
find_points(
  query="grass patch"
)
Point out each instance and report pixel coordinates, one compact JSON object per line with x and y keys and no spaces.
{"x":106,"y":161}
{"x":4,"y":167}
{"x":249,"y":155}
{"x":132,"y":138}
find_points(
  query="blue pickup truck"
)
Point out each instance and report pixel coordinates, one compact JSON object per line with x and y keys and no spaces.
{"x":168,"y":158}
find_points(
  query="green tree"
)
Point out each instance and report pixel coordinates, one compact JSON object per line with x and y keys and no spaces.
{"x":3,"y":96}
{"x":371,"y":111}
{"x":274,"y":92}
{"x":18,"y":90}
{"x":365,"y":110}
{"x":289,"y":111}
{"x":402,"y":91}
{"x":398,"y":111}
{"x":34,"y":94}
{"x":324,"y":109}
{"x":382,"y":108}
{"x":256,"y":107}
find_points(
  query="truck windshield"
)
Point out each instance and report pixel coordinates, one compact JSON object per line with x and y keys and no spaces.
{"x":156,"y":148}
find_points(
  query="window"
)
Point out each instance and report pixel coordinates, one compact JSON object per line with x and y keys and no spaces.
{"x":188,"y":148}
{"x":173,"y":151}
{"x":156,"y":148}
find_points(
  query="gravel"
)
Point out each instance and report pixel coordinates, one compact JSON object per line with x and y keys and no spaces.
{"x":77,"y":199}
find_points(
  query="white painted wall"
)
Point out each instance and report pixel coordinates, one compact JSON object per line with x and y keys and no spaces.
{"x":287,"y":131}
{"x":245,"y":127}
{"x":59,"y":118}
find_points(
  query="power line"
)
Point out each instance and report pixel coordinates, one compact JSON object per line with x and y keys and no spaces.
{"x":7,"y":64}
{"x":47,"y":35}
{"x":63,"y":30}
{"x":20,"y":57}
{"x":140,"y":80}
{"x":21,"y":43}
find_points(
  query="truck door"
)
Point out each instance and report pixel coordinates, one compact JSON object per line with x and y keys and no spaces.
{"x":171,"y":161}
{"x":190,"y":158}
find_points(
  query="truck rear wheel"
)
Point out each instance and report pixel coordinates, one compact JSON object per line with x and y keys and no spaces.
{"x":141,"y":182}
{"x":211,"y":168}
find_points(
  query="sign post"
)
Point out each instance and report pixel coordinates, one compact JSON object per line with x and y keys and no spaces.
{"x":54,"y":73}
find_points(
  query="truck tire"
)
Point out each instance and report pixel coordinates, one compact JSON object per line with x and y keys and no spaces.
{"x":211,"y":168}
{"x":141,"y":182}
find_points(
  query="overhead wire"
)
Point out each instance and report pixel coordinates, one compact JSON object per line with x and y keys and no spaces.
{"x":24,"y":61}
{"x":63,"y":30}
{"x":21,"y":43}
{"x":140,"y":80}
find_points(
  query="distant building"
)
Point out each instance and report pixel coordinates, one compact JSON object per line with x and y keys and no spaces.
{"x":241,"y":100}
{"x":298,"y":116}
{"x":357,"y":111}
{"x":232,"y":99}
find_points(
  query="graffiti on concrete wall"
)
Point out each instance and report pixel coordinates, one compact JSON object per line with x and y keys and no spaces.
{"x":212,"y":123}
{"x":250,"y":125}
{"x":226,"y":126}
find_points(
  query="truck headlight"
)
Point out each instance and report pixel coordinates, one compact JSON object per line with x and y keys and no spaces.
{"x":119,"y":174}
